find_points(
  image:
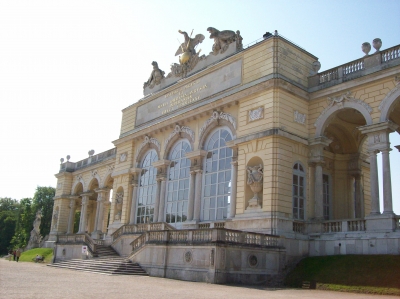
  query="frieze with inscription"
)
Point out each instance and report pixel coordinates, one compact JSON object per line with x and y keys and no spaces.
{"x":191,"y":93}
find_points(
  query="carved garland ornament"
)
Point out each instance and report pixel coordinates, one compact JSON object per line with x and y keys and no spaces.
{"x":147,"y":141}
{"x":179,"y":129}
{"x":299,"y":117}
{"x":215,"y":116}
{"x":339,"y":101}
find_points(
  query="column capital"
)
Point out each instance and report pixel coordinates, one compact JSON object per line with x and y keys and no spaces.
{"x":101,"y":190}
{"x":317,"y":146}
{"x":198,"y":171}
{"x":234,"y":163}
{"x":378,"y":134}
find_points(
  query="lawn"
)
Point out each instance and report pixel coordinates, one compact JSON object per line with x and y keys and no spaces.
{"x":372,"y":274}
{"x":27,"y":256}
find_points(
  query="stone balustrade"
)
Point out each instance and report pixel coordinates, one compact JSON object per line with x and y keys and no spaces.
{"x":140,"y":228}
{"x":390,"y":54}
{"x":332,"y":226}
{"x":208,"y":235}
{"x":72,"y":166}
{"x":355,"y":69}
{"x":80,"y":239}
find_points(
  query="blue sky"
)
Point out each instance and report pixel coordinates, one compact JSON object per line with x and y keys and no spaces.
{"x":68,"y":68}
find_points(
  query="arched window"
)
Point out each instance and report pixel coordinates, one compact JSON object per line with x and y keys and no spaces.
{"x":217,"y":176}
{"x":147,"y":189}
{"x":178,"y":184}
{"x":298,"y":191}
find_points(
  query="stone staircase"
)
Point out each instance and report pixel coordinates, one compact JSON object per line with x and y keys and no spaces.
{"x":106,"y":261}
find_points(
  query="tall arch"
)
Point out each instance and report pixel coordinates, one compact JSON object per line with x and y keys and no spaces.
{"x":217,"y":175}
{"x":147,"y":188}
{"x":388,"y":102}
{"x":145,"y":146}
{"x":176,"y":201}
{"x":342,"y":102}
{"x":217,"y":119}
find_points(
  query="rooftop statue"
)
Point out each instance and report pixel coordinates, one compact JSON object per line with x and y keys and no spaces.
{"x":222,"y":39}
{"x":155,"y":76}
{"x":190,"y":43}
{"x":189,"y":57}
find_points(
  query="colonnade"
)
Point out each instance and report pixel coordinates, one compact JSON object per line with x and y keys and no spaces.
{"x":378,"y":141}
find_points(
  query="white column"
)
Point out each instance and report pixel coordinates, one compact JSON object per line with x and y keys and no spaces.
{"x":191,"y":195}
{"x":162,"y":200}
{"x":197,"y":198}
{"x":96,"y":219}
{"x":100,"y":213}
{"x":83,"y":219}
{"x":156,"y":217}
{"x":375,"y":209}
{"x":232,"y":211}
{"x":71,"y":218}
{"x":387,"y":183}
{"x":318,"y":194}
{"x":133,"y":204}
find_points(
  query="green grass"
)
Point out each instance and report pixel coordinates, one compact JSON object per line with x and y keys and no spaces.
{"x":372,"y":274}
{"x":27,"y":256}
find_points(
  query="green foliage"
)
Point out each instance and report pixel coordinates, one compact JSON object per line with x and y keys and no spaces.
{"x":8,"y":221}
{"x":27,"y":256}
{"x":26,"y":215}
{"x":357,"y":273}
{"x":76,"y":221}
{"x":43,"y":200}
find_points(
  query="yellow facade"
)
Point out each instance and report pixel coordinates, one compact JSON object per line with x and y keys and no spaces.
{"x":296,"y":123}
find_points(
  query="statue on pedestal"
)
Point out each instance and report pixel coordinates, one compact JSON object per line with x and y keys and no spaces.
{"x":255,"y":181}
{"x":35,"y":238}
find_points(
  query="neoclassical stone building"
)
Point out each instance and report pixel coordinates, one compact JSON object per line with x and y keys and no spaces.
{"x":236,"y":163}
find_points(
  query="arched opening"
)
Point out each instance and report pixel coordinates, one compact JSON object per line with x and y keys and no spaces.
{"x":77,"y":190}
{"x":217,"y":176}
{"x":147,"y":188}
{"x":343,"y":177}
{"x":176,"y":205}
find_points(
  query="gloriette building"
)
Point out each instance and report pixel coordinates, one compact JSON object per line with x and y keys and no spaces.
{"x":238,"y":162}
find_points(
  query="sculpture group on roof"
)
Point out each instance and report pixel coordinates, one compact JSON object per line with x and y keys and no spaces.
{"x":189,"y":57}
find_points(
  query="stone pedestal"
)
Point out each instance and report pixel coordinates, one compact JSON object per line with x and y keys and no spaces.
{"x":380,"y":223}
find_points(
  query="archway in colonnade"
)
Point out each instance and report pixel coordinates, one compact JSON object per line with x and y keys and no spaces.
{"x":345,"y":173}
{"x":390,"y":111}
{"x":77,"y":190}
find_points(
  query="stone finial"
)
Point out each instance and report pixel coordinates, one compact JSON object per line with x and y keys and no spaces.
{"x":68,"y":157}
{"x":91,"y":152}
{"x":377,"y":44}
{"x":62,"y":160}
{"x":366,"y":47}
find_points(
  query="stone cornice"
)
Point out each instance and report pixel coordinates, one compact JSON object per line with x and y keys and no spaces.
{"x":386,"y":74}
{"x":63,"y":174}
{"x":225,"y":98}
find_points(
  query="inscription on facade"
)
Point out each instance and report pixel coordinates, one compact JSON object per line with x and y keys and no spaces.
{"x":192,"y":92}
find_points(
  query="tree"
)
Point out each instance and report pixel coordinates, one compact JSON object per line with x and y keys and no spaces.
{"x":43,"y":200}
{"x":8,"y":221}
{"x":26,"y":215}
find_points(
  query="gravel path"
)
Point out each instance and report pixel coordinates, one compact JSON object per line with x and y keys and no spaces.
{"x":30,"y":280}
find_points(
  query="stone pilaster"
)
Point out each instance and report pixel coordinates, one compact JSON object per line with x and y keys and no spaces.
{"x":232,"y":211}
{"x":197,"y":198}
{"x":162,"y":169}
{"x":317,"y":158}
{"x":191,"y":195}
{"x":195,"y":186}
{"x":72,"y":210}
{"x":84,"y":211}
{"x":135,"y":179}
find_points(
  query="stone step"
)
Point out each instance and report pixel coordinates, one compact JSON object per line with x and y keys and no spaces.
{"x":115,"y":266}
